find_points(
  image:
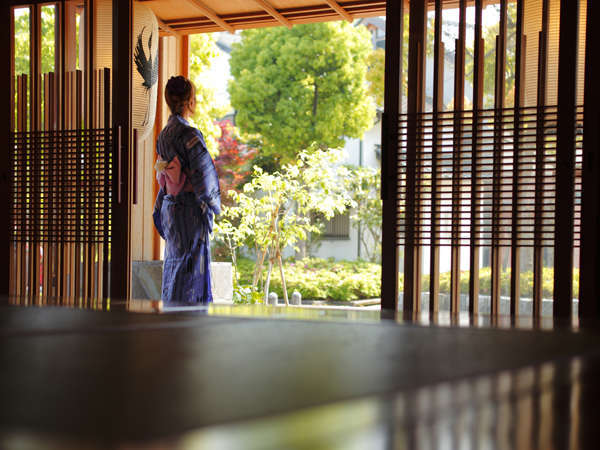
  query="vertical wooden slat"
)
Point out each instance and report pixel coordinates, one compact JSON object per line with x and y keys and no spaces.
{"x":438,"y":97}
{"x":66,"y":219}
{"x":417,"y":31}
{"x":498,"y":131}
{"x":101,"y":218}
{"x":33,"y":166}
{"x":540,"y":162}
{"x":565,"y":159}
{"x":459,"y":101}
{"x":389,"y":158}
{"x":108,"y":152}
{"x":16,"y":273}
{"x":92,"y":253}
{"x":70,"y":254}
{"x":61,"y":124}
{"x":45,"y":211}
{"x":79,"y":188}
{"x":516,"y":166}
{"x":53,"y":181}
{"x":22,"y":257}
{"x":24,"y":175}
{"x":24,"y":115}
{"x":478,"y":59}
{"x":88,"y":113}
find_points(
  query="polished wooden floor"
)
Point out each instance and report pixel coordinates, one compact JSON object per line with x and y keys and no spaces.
{"x":291,"y":378}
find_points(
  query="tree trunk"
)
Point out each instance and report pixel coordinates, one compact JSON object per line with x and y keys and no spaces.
{"x":283,"y":285}
{"x":259,"y":265}
{"x":258,"y":268}
{"x":268,"y":282}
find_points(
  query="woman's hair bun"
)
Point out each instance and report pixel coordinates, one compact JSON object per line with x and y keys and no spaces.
{"x":178,"y":92}
{"x":178,"y":85}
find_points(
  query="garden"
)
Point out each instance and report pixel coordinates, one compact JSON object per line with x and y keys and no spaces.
{"x":297,"y":95}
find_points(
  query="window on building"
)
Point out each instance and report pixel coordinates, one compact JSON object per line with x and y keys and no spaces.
{"x":338,"y":227}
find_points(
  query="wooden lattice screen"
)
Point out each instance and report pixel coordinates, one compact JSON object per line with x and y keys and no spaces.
{"x":62,"y":184}
{"x":469,"y":178}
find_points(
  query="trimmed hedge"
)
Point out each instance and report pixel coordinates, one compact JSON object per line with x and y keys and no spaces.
{"x":326,"y":279}
{"x":322,"y":279}
{"x":525,"y":282}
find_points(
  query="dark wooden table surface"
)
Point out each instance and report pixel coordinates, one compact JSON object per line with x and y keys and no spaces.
{"x":256,"y":377}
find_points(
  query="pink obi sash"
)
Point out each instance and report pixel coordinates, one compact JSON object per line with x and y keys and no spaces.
{"x":171,"y":177}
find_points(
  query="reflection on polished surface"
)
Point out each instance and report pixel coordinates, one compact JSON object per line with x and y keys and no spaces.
{"x":521,"y":409}
{"x":247,"y":377}
{"x":306,"y":312}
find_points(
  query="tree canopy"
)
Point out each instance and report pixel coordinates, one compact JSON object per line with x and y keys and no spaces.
{"x":302,"y":86}
{"x":22,"y":41}
{"x":202,"y":51}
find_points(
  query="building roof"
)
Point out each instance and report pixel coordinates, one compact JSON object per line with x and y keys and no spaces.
{"x":202,"y":16}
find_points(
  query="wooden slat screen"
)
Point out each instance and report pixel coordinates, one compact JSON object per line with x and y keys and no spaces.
{"x":62,"y":190}
{"x":68,"y":177}
{"x":501,"y":185}
{"x":438,"y":154}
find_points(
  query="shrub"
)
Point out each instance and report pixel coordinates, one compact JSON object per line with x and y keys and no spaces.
{"x":326,"y":279}
{"x":322,"y":279}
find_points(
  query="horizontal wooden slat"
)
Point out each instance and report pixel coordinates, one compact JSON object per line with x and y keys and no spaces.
{"x":492,"y":225}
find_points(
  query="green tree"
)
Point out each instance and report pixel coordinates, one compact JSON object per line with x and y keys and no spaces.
{"x":489,"y":66}
{"x":22,"y":41}
{"x":302,"y":86}
{"x":376,"y":60}
{"x":273,"y":210}
{"x":202,"y":51}
{"x":364,"y":185}
{"x":376,"y":74}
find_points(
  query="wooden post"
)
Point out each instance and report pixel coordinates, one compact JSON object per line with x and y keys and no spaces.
{"x":120,"y":277}
{"x":415,"y":100}
{"x":589,"y":281}
{"x":6,"y":121}
{"x":515,"y":270}
{"x":185,"y":55}
{"x":389,"y":157}
{"x":565,"y":159}
{"x":158,"y":124}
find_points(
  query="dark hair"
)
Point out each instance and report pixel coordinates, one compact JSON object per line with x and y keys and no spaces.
{"x":178,"y":93}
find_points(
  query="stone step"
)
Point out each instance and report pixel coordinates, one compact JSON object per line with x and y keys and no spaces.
{"x":147,"y":280}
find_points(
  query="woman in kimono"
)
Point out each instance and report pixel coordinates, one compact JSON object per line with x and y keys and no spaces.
{"x":188,"y":198}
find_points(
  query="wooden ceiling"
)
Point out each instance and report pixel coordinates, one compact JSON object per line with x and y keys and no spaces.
{"x":207,"y":16}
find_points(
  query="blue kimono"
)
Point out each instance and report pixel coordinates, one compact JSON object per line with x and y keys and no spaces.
{"x":185,"y":220}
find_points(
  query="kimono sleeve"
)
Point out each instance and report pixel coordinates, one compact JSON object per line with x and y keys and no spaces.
{"x":201,"y":171}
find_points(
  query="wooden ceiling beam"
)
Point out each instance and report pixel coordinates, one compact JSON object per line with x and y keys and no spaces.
{"x":211,"y":15}
{"x":264,"y":4}
{"x":259,"y":19}
{"x":341,"y":11}
{"x":166,"y":28}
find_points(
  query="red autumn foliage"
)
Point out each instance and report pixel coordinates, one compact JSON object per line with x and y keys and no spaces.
{"x":234,"y":161}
